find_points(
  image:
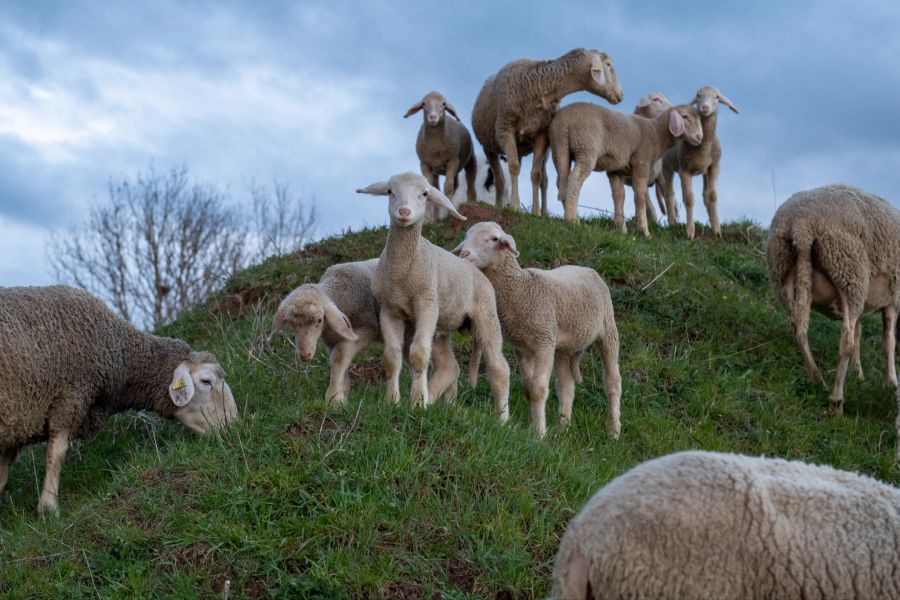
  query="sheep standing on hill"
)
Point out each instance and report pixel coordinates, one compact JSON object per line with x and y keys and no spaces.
{"x":649,"y":107}
{"x":550,"y":318}
{"x":703,"y":160}
{"x":341,"y":310}
{"x":837,"y":249}
{"x":597,"y":138}
{"x":424,"y":284}
{"x":444,"y":147}
{"x":698,"y":525}
{"x":515,"y":107}
{"x":67,"y":363}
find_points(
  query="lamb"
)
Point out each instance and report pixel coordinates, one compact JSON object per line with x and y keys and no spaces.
{"x":68,"y":362}
{"x":700,"y":525}
{"x":444,"y":147}
{"x":597,"y":138}
{"x":341,"y":311}
{"x":485,"y":184}
{"x":837,"y":249}
{"x":550,"y":318}
{"x":649,"y":106}
{"x":700,"y":160}
{"x":419,"y":282}
{"x":515,"y":107}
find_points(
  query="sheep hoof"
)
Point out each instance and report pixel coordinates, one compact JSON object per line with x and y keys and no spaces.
{"x":614,"y":429}
{"x":47,"y":507}
{"x":815,"y":377}
{"x":836,"y":408}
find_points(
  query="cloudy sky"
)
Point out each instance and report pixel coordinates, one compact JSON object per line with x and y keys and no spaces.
{"x":313,"y":93}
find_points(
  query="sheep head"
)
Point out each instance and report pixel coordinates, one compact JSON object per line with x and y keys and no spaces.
{"x":202,"y":399}
{"x":485,"y":245}
{"x":435,"y":105}
{"x":684,"y":122}
{"x":652,"y":104}
{"x":603,"y":80}
{"x":707,"y":101}
{"x":307,"y":310}
{"x":409,"y":195}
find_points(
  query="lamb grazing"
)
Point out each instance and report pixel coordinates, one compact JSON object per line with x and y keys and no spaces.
{"x":485,"y":184}
{"x":341,"y":311}
{"x":444,"y":147}
{"x":698,"y":525}
{"x":837,"y":249}
{"x":67,"y":363}
{"x":550,"y":318}
{"x":515,"y":106}
{"x":700,"y":160}
{"x":649,"y":106}
{"x":419,"y":282}
{"x":597,"y":138}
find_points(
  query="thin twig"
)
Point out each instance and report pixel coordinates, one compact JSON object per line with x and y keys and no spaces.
{"x":761,"y":344}
{"x":663,"y":272}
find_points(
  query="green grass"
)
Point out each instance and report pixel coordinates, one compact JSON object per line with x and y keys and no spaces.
{"x":300,"y":499}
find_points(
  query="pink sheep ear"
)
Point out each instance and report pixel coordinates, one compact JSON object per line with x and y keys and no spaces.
{"x":436,"y":197}
{"x":597,"y":71}
{"x":339,"y":322}
{"x":376,"y":189}
{"x":728,"y":103}
{"x":414,"y":109}
{"x":452,"y":111}
{"x":509,"y":243}
{"x":676,"y":123}
{"x":456,"y":251}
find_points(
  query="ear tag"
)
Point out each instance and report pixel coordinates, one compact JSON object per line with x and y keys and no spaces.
{"x":179,"y":383}
{"x":596,"y":68}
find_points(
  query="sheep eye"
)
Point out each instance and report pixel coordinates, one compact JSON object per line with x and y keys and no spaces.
{"x":206,"y":382}
{"x":495,"y":239}
{"x":319,"y":322}
{"x":425,"y":194}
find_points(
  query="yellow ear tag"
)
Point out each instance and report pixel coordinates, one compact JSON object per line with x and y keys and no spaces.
{"x":179,"y":383}
{"x":596,"y":68}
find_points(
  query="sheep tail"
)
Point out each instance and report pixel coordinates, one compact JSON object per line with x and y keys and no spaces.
{"x":802,"y":241}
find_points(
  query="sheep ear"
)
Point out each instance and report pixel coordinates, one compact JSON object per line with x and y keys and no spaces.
{"x":414,"y":109}
{"x":436,"y":197}
{"x":728,"y":103}
{"x":339,"y":322}
{"x":277,"y":322}
{"x":644,"y":101}
{"x":376,"y":189}
{"x":456,"y":251}
{"x":452,"y":111}
{"x":181,"y":390}
{"x":676,"y":123}
{"x":597,"y":71}
{"x":509,"y":243}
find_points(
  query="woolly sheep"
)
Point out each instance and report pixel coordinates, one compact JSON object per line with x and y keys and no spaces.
{"x":837,"y":249}
{"x":649,"y":106}
{"x":698,"y":525}
{"x":700,"y":160}
{"x":485,"y":184}
{"x":597,"y":138}
{"x":444,"y":147}
{"x":550,"y":318}
{"x":421,"y":283}
{"x":515,"y":107}
{"x":67,"y":363}
{"x":341,"y":311}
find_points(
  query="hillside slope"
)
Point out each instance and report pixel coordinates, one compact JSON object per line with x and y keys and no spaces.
{"x":374,"y":500}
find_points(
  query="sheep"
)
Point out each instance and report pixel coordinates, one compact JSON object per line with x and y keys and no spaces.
{"x":515,"y":106}
{"x":837,"y":249}
{"x":342,"y":311}
{"x":597,"y":138}
{"x":485,"y":184}
{"x":721,"y":526}
{"x":550,"y":318}
{"x":700,"y":160}
{"x":419,"y":282}
{"x":649,"y":106}
{"x":68,"y":362}
{"x":444,"y":147}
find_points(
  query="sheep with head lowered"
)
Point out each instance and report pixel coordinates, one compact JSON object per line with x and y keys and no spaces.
{"x":421,"y":284}
{"x":67,"y":362}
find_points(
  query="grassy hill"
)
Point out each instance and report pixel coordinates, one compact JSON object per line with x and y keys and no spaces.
{"x":300,"y":499}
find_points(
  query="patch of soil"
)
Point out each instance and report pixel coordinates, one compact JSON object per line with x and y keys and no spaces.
{"x":367,"y":372}
{"x":477,"y":212}
{"x":407,"y":590}
{"x":179,"y":481}
{"x":619,"y":282}
{"x":240,"y":302}
{"x":561,"y":262}
{"x":460,"y":574}
{"x":316,"y":424}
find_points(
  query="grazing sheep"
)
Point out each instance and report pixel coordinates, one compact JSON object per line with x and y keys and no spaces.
{"x":550,"y":318}
{"x":649,"y":106}
{"x":700,"y":160}
{"x":419,"y":282}
{"x":837,"y":249}
{"x":698,"y":525}
{"x":444,"y":147}
{"x":597,"y":138}
{"x":67,"y":363}
{"x":485,"y":184}
{"x":515,"y":107}
{"x":342,"y":311}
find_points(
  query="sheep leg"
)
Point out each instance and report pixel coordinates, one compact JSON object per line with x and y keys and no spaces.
{"x":471,"y":174}
{"x":612,"y":379}
{"x":6,"y":457}
{"x":392,"y":330}
{"x":651,"y":211}
{"x":420,"y":351}
{"x":617,"y":187}
{"x":341,"y":358}
{"x":640,"y":204}
{"x":573,"y":190}
{"x":489,"y":339}
{"x":508,"y":143}
{"x":433,"y":178}
{"x":442,"y":383}
{"x":474,"y":361}
{"x":537,"y":388}
{"x":56,"y":456}
{"x":668,"y":180}
{"x":576,"y":366}
{"x":848,"y":334}
{"x":450,"y":178}
{"x":494,"y":162}
{"x":538,"y":161}
{"x":563,"y":164}
{"x":687,"y":196}
{"x":710,"y":197}
{"x":659,"y":187}
{"x":888,"y":341}
{"x":565,"y":387}
{"x":857,"y":342}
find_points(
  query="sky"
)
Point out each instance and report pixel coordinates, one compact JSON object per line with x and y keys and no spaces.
{"x":312,"y":93}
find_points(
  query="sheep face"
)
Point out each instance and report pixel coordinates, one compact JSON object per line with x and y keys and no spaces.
{"x":684,"y":121}
{"x":652,"y":105}
{"x":435,"y":105}
{"x":409,"y":194}
{"x":307,"y":310}
{"x":485,"y":245}
{"x":603,"y":80}
{"x":202,"y":398}
{"x":707,"y":101}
